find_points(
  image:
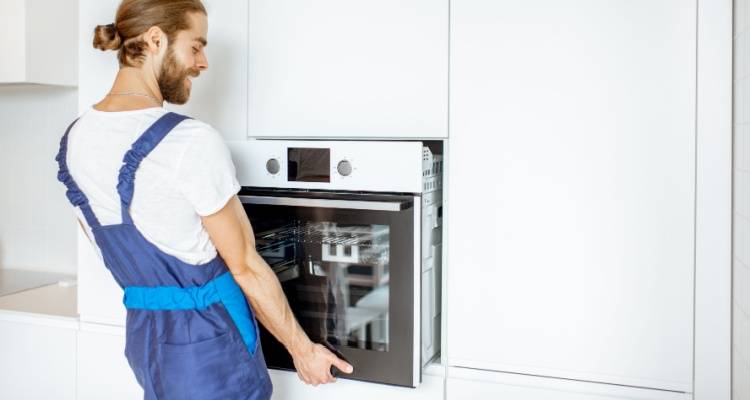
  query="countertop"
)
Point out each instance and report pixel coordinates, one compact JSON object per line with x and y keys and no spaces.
{"x":38,"y":294}
{"x":17,"y":280}
{"x":51,"y":300}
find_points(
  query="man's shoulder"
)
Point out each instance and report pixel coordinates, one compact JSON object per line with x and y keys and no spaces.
{"x":193,"y":128}
{"x":198,"y":135}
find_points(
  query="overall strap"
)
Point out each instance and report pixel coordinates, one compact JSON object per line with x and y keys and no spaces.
{"x":74,"y":194}
{"x":138,"y":151}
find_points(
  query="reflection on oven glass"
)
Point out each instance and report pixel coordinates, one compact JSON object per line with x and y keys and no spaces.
{"x":335,"y":277}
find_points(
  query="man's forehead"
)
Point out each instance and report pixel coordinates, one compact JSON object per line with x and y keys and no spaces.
{"x":198,"y":28}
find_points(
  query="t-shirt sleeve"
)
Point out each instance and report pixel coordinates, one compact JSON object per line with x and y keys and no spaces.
{"x":206,"y":174}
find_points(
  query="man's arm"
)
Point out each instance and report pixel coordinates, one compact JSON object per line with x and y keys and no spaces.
{"x":233,"y":236}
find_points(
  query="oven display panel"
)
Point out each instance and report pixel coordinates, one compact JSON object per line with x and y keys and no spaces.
{"x":309,"y":165}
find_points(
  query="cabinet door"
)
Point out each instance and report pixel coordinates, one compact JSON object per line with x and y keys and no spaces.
{"x":103,"y":370}
{"x":571,"y":189}
{"x":37,"y":360}
{"x":353,"y":68}
{"x":38,"y":41}
{"x":13,"y":41}
{"x":470,"y":384}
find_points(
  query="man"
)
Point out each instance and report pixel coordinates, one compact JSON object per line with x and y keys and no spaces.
{"x":180,"y":245}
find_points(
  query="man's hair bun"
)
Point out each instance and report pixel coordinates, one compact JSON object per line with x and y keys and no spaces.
{"x":106,"y":37}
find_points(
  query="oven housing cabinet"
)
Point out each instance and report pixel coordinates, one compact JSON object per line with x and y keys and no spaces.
{"x":319,"y":225}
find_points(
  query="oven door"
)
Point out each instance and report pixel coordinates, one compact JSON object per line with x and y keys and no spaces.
{"x":349,"y":266}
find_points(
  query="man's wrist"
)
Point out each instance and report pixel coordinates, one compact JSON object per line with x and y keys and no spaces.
{"x":300,"y":345}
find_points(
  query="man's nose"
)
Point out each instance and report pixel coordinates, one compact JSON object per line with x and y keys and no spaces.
{"x":202,"y":62}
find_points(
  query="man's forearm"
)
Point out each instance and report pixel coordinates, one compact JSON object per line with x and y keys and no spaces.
{"x":271,"y":307}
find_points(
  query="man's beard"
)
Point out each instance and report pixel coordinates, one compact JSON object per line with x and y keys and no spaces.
{"x":172,"y":79}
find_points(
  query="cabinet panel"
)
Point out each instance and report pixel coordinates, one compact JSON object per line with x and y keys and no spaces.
{"x":466,"y":384}
{"x":13,"y":40}
{"x":571,"y":189}
{"x":51,"y":42}
{"x":334,"y":68}
{"x":31,"y":351}
{"x":38,"y":39}
{"x":103,"y":370}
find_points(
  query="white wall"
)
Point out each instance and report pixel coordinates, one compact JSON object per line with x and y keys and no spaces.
{"x":37,"y":228}
{"x":741,"y":217}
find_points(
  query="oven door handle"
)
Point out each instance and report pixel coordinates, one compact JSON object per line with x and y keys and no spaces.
{"x":327,"y":203}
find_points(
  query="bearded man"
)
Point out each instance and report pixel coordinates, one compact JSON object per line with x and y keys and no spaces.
{"x":181,"y":245}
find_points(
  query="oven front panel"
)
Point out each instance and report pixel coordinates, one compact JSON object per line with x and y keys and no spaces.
{"x":346,"y":265}
{"x":372,"y":166}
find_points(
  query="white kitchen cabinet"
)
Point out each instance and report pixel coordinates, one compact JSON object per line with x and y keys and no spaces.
{"x":571,"y":184}
{"x":38,"y":331}
{"x":218,"y":96}
{"x":468,"y":384}
{"x":348,"y":68}
{"x":103,"y":370}
{"x":38,"y":359}
{"x":38,"y":40}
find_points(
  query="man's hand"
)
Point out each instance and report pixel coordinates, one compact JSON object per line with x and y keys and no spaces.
{"x":314,"y":365}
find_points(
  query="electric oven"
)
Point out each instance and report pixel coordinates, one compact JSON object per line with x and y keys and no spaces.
{"x":352,"y":231}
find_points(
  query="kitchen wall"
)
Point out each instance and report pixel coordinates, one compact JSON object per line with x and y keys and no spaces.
{"x":37,"y":225}
{"x":741,"y":212}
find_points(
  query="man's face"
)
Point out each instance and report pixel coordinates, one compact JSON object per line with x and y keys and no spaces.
{"x":184,"y":59}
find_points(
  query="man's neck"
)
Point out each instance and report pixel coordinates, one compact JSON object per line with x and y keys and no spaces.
{"x":133,"y":89}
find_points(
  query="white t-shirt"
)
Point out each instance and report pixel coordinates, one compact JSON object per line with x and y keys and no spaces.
{"x":189,"y":174}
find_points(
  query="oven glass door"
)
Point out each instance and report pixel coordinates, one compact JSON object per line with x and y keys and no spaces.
{"x":346,"y":263}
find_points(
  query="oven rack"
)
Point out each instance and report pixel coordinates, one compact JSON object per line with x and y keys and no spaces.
{"x":325,"y":234}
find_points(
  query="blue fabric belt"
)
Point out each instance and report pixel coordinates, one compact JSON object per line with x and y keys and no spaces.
{"x":222,"y":289}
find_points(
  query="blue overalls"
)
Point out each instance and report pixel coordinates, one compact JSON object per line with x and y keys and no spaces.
{"x":190,"y":332}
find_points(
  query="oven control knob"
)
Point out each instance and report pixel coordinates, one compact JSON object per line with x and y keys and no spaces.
{"x":344,"y":168}
{"x":272,"y":166}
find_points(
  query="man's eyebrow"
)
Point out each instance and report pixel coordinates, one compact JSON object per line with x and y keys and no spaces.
{"x":202,"y":40}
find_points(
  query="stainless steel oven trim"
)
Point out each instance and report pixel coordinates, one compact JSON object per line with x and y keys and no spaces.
{"x":327,"y":203}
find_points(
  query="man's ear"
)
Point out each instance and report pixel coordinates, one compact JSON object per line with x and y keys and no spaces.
{"x":155,"y":39}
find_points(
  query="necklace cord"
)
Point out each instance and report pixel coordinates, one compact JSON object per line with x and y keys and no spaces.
{"x":135,"y":94}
